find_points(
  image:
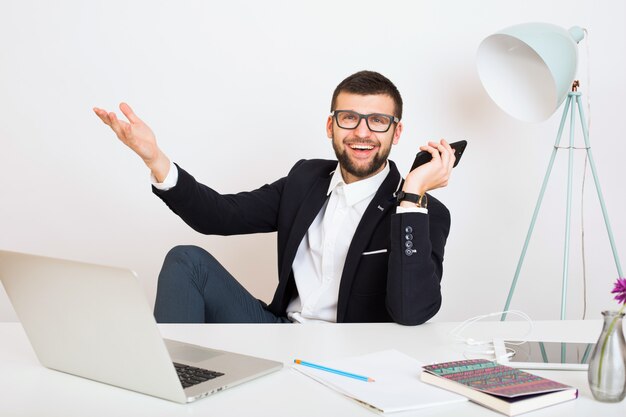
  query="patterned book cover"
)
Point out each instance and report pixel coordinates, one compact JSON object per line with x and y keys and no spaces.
{"x":493,"y":378}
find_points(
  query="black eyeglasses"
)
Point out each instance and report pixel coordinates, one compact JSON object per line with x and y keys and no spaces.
{"x":376,"y":122}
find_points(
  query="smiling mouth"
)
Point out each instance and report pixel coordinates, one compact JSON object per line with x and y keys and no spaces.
{"x":360,"y":147}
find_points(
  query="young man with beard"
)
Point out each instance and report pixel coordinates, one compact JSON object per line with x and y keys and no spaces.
{"x":356,"y":243}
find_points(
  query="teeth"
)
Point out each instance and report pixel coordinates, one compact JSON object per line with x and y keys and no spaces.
{"x":362,"y":147}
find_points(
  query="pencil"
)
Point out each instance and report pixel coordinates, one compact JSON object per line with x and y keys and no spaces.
{"x":331,"y":370}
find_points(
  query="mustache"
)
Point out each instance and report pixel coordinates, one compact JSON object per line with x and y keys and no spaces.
{"x":358,"y":141}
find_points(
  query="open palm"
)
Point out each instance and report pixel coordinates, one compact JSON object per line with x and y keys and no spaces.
{"x":135,"y":133}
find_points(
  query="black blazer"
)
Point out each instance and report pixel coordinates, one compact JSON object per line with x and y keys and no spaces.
{"x":384,"y":277}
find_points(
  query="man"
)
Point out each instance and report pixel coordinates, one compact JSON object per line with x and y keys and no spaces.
{"x":356,"y":243}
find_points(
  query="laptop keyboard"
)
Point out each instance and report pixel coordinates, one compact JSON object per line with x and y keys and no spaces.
{"x":190,"y":375}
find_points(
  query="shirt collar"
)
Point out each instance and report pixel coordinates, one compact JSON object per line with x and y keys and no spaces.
{"x":358,"y":190}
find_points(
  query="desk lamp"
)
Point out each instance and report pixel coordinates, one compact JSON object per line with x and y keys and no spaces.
{"x":528,"y":70}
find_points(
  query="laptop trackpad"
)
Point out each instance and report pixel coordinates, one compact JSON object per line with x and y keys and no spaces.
{"x":189,"y":353}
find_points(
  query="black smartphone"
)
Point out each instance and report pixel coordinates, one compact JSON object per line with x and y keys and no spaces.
{"x":423,"y":157}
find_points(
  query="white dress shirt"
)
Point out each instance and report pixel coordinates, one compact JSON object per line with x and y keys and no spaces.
{"x":321,"y":256}
{"x":322,"y":253}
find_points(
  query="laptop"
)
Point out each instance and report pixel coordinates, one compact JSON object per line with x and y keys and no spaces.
{"x":94,"y":322}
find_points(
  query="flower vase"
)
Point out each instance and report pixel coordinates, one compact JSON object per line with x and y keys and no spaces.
{"x":607,"y":366}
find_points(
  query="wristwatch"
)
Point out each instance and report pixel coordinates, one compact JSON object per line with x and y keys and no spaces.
{"x":419,"y":200}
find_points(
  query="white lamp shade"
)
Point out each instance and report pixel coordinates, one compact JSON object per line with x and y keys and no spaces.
{"x":528,"y":69}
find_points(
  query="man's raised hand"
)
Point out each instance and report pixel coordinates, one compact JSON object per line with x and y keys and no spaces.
{"x":137,"y":136}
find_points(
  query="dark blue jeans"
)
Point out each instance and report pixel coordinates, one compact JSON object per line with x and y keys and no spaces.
{"x":194,"y":287}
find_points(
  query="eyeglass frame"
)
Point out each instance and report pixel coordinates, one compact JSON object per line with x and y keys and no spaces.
{"x":394,"y":119}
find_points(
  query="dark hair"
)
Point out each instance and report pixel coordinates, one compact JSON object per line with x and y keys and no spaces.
{"x":366,"y":83}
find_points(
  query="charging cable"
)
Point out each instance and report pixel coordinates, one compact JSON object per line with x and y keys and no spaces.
{"x":487,"y":348}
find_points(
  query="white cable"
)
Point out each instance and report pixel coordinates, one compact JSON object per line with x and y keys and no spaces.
{"x":457,"y":332}
{"x":588,"y":94}
{"x":582,"y":193}
{"x":483,"y":349}
{"x":582,"y":238}
{"x":489,"y":354}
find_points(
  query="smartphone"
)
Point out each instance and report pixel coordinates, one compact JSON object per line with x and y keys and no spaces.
{"x":423,"y":157}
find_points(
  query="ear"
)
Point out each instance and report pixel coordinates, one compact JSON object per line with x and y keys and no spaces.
{"x":329,"y":127}
{"x":397,"y":133}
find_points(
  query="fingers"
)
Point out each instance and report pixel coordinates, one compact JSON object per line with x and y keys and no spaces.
{"x":445,"y":152}
{"x":121,"y":128}
{"x":126,"y":128}
{"x":103,"y":115}
{"x":136,"y":135}
{"x":129,"y":113}
{"x":436,"y":173}
{"x":126,"y":110}
{"x":447,"y":159}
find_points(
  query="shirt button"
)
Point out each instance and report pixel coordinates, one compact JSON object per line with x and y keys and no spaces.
{"x":408,"y":229}
{"x":408,"y":244}
{"x":408,"y":236}
{"x":408,"y":252}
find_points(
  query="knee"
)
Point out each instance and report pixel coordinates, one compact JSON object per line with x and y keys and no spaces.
{"x":184,"y":260}
{"x":189,"y":265}
{"x":186,"y":254}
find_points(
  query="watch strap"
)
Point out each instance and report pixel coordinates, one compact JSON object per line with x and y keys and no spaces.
{"x":419,"y":200}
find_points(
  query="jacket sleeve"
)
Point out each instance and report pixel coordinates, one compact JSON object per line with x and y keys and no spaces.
{"x":416,"y":264}
{"x":210,"y":212}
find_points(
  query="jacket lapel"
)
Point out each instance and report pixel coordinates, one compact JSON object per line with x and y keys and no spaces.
{"x":383,"y":201}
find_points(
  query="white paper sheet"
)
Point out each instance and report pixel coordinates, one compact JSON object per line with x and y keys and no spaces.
{"x":397,"y":385}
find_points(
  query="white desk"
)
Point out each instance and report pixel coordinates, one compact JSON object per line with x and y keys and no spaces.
{"x":28,"y":389}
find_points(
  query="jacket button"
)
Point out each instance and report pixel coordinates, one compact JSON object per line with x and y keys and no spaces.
{"x":408,"y":252}
{"x":408,"y":244}
{"x":408,"y":236}
{"x":408,"y":229}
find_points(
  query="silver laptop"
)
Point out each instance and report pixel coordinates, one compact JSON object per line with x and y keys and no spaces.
{"x":94,"y":321}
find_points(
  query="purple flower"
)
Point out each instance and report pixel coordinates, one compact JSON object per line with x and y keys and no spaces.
{"x":620,"y":290}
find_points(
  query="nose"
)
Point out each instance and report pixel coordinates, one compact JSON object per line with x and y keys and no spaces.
{"x":361,"y":129}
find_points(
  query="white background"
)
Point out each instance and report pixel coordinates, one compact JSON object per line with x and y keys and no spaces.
{"x":238,"y":91}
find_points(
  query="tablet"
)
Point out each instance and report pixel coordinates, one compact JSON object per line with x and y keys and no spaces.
{"x":543,"y":355}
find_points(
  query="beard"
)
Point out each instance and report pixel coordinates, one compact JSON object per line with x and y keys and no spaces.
{"x":361,"y":171}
